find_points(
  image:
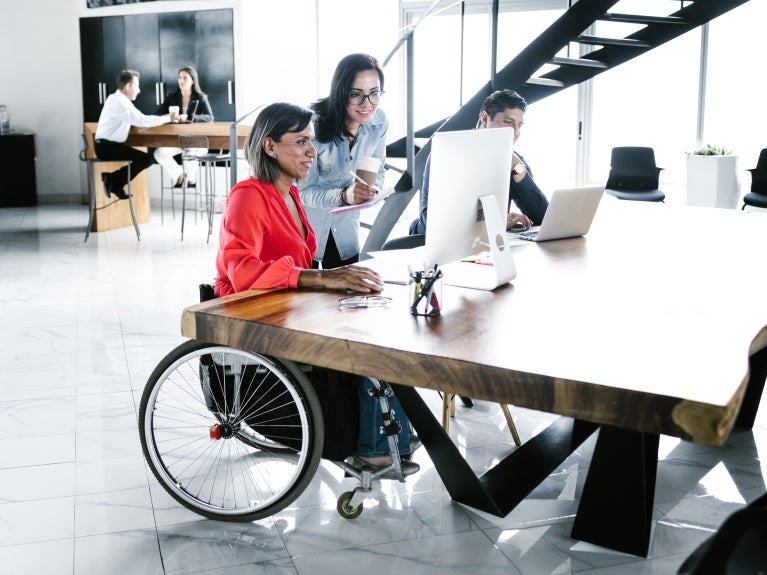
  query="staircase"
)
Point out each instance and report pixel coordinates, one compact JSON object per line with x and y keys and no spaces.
{"x":601,"y":53}
{"x":566,"y":35}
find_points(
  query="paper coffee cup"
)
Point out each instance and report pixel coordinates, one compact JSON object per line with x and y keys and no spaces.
{"x":173,"y":111}
{"x":367,"y":169}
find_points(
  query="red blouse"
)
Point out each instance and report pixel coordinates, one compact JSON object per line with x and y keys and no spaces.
{"x":260,"y":245}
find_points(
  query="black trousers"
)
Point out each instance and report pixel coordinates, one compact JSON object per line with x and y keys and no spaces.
{"x":140,"y":161}
{"x":331,"y":259}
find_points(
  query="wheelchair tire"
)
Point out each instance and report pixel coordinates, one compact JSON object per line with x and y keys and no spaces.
{"x":212,"y":461}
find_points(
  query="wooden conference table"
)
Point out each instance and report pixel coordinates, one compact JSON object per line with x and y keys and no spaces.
{"x":112,"y":214}
{"x":627,"y":330}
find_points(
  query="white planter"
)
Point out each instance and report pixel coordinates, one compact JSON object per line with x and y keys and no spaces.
{"x":712,"y":181}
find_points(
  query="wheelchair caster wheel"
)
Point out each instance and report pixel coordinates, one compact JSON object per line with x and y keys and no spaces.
{"x":344,"y":509}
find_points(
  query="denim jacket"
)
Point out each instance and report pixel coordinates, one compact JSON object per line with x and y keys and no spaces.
{"x":330,"y":172}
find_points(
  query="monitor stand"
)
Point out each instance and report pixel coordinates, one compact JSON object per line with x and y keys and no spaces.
{"x":486,"y":277}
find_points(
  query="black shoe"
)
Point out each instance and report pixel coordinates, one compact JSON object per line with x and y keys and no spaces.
{"x":119,"y":192}
{"x":105,"y":183}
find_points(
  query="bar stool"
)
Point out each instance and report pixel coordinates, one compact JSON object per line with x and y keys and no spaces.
{"x":90,"y":162}
{"x":164,"y":186}
{"x":206,"y":177}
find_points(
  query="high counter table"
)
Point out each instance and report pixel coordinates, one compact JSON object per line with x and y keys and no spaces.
{"x":630,"y":331}
{"x":111,"y":214}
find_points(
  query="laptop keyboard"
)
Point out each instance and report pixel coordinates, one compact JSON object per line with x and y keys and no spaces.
{"x":527,"y":235}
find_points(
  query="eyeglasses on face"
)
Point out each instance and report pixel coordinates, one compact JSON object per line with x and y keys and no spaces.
{"x":358,"y":98}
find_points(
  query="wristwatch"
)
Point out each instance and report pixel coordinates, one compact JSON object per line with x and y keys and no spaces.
{"x":519,"y":168}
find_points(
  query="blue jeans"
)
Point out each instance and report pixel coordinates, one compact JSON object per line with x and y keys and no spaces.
{"x":370,"y":441}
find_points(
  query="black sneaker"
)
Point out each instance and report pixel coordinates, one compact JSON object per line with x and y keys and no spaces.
{"x":105,"y":183}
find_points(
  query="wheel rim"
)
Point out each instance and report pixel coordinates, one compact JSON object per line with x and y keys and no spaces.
{"x":234,"y":469}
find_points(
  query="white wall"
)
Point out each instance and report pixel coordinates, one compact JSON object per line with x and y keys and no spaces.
{"x":277,"y":56}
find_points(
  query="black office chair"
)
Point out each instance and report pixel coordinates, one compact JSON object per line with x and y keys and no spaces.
{"x":405,"y":242}
{"x":738,"y":547}
{"x":758,"y":195}
{"x":634,"y":175}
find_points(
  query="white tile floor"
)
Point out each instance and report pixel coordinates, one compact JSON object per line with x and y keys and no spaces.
{"x":83,"y":325}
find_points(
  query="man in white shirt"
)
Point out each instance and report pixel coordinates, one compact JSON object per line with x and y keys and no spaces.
{"x":117,"y":116}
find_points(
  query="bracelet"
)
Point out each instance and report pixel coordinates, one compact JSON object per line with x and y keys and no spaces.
{"x":342,"y":196}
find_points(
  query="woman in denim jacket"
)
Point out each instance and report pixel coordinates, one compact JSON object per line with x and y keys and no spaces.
{"x":348,"y":126}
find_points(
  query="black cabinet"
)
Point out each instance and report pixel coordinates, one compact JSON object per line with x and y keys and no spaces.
{"x":158,"y":45}
{"x":102,"y":56}
{"x":18,"y":184}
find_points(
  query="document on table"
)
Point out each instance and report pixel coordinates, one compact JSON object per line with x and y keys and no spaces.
{"x":393,"y":264}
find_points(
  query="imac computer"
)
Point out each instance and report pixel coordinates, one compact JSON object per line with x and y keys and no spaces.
{"x":468,"y":200}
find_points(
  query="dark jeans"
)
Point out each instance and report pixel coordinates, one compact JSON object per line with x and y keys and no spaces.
{"x":140,"y":161}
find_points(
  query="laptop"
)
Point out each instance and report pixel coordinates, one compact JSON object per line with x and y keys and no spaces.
{"x":569,"y":215}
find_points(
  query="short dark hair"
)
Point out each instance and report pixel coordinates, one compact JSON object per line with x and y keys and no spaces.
{"x":273,"y":122}
{"x":125,"y":77}
{"x":331,"y":111}
{"x":500,"y":101}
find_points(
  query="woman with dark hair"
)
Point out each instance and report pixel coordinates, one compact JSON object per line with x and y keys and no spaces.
{"x":193,"y":106}
{"x":348,"y":125}
{"x":266,"y":241}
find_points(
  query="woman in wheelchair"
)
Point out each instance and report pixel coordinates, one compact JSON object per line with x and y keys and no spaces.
{"x":266,"y":241}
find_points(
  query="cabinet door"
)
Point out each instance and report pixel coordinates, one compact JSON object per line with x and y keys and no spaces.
{"x":177,"y":47}
{"x":102,"y":56}
{"x":215,"y":60}
{"x":204,"y":40}
{"x":143,"y":55}
{"x":114,"y":48}
{"x":92,"y":64}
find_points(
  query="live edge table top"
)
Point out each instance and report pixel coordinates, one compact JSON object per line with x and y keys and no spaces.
{"x":642,"y":324}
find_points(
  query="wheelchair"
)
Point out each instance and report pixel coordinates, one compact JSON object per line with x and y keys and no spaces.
{"x":238,"y":436}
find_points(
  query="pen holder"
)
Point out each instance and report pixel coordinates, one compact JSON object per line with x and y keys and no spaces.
{"x":426,"y":295}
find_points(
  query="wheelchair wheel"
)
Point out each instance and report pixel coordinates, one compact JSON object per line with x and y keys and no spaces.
{"x":229,"y":434}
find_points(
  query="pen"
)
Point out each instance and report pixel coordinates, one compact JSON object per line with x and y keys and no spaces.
{"x":356,"y":177}
{"x":427,"y":291}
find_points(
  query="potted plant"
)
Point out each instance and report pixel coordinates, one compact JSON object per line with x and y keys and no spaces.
{"x":712,"y":177}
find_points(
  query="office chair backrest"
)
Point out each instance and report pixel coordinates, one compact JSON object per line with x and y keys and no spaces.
{"x":761,"y":164}
{"x":759,"y":175}
{"x":405,"y":242}
{"x":189,"y":142}
{"x":633,"y":168}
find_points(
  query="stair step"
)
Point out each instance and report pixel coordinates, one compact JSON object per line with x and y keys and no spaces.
{"x":578,"y":62}
{"x":600,"y":41}
{"x":545,"y":82}
{"x":638,"y":19}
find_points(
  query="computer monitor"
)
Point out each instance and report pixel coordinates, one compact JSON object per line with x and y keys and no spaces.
{"x":468,"y":200}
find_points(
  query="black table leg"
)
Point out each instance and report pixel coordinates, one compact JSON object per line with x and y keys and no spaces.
{"x":757,"y":365}
{"x":504,"y":486}
{"x":616,"y":506}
